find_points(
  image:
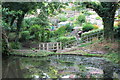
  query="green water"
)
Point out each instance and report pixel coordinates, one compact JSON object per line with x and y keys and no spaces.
{"x":59,"y":66}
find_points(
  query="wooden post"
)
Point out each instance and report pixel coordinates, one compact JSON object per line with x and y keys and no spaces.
{"x":47,"y":46}
{"x":60,"y":46}
{"x":57,"y":46}
{"x":39,"y":46}
{"x":43,"y":44}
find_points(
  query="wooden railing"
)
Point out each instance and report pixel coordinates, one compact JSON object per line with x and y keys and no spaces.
{"x":57,"y":46}
{"x":90,"y":37}
{"x":51,"y":46}
{"x":70,"y":43}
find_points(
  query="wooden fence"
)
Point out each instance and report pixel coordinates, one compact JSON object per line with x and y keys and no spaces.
{"x":90,"y":37}
{"x":83,"y":39}
{"x":58,"y":46}
{"x":52,"y":46}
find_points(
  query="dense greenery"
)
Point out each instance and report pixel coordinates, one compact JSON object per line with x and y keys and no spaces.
{"x":106,"y":10}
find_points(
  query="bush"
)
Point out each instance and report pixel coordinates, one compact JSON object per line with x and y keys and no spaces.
{"x":65,"y":39}
{"x":87,"y":27}
{"x":35,"y":28}
{"x":11,"y":36}
{"x":71,"y":18}
{"x":98,"y":18}
{"x":37,"y":31}
{"x":15,"y":45}
{"x":25,"y":35}
{"x":69,"y":27}
{"x":96,"y":26}
{"x":80,"y":19}
{"x":60,"y":31}
{"x":62,"y":17}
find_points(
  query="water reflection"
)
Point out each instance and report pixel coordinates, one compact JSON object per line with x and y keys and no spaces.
{"x":64,"y":66}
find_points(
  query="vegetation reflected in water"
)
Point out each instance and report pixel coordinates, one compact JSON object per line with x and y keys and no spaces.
{"x":59,"y":66}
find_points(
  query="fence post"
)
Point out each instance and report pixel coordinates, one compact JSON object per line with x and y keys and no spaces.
{"x":60,"y":46}
{"x":39,"y":46}
{"x":43,"y":44}
{"x":47,"y":46}
{"x":57,"y":46}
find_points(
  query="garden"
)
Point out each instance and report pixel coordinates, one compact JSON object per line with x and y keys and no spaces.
{"x":61,"y":40}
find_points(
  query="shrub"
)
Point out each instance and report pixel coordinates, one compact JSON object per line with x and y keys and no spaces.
{"x":71,"y":18}
{"x":60,"y":31}
{"x":80,"y":19}
{"x":95,"y":26}
{"x":25,"y":35}
{"x":35,"y":28}
{"x":65,"y":39}
{"x":98,"y":18}
{"x":87,"y":27}
{"x":11,"y":36}
{"x":62,"y":17}
{"x":36,"y":32}
{"x":69,"y":27}
{"x":15,"y":45}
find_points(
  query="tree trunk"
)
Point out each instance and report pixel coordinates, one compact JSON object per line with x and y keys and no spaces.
{"x":5,"y":44}
{"x":108,"y":28}
{"x":19,"y":24}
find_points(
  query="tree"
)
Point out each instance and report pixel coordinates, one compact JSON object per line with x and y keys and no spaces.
{"x":16,"y":12}
{"x":106,"y":10}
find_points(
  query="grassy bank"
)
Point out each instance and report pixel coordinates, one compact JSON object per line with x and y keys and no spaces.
{"x":46,"y":53}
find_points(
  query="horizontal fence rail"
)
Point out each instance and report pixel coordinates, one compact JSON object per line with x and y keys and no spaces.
{"x":52,"y":46}
{"x":90,"y":37}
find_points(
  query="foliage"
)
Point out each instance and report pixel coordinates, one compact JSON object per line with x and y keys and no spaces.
{"x":80,"y":19}
{"x":69,"y":27}
{"x":114,"y":57}
{"x":88,"y":13}
{"x":71,"y":18}
{"x":60,"y":31}
{"x":15,"y":45}
{"x":92,"y":32}
{"x":11,"y":36}
{"x":35,"y":28}
{"x":96,"y":26}
{"x":25,"y":35}
{"x":40,"y":33}
{"x":65,"y":39}
{"x":98,"y":18}
{"x":33,"y":54}
{"x":87,"y":27}
{"x":62,"y":17}
{"x":28,"y":22}
{"x":106,"y":10}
